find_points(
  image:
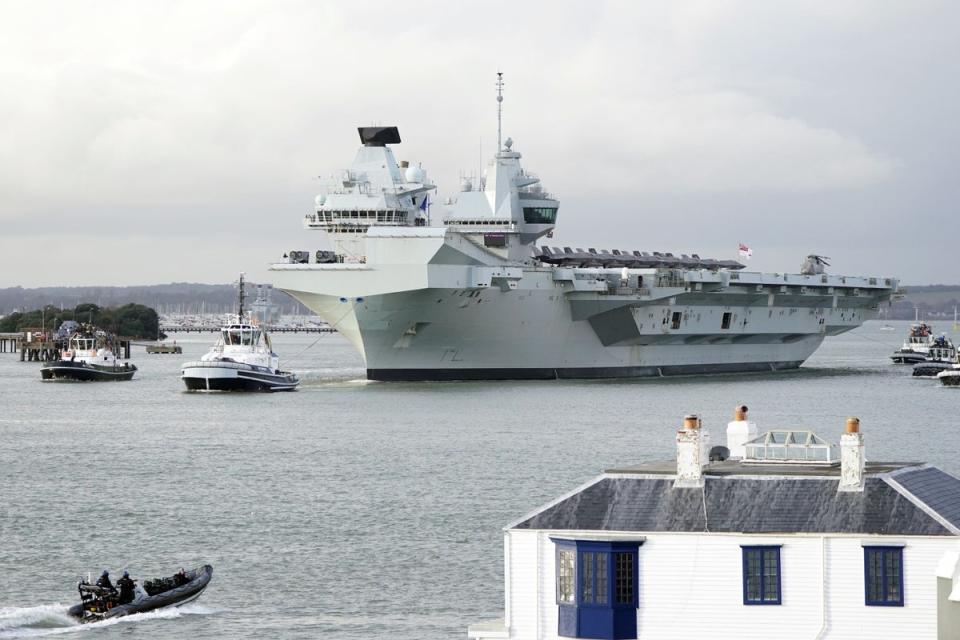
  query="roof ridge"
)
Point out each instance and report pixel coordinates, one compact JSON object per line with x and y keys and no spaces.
{"x":569,"y":494}
{"x":917,"y":502}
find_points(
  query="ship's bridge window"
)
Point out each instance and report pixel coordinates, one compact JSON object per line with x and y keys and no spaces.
{"x":540,"y":215}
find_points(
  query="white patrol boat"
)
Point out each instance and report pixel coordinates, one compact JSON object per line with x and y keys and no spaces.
{"x":916,"y":348}
{"x":241,"y":360}
{"x":88,"y":358}
{"x":463,"y":291}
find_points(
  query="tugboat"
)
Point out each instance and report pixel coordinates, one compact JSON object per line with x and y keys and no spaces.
{"x":241,"y":360}
{"x":917,"y":345}
{"x":99,"y":602}
{"x":88,"y":358}
{"x":941,"y":357}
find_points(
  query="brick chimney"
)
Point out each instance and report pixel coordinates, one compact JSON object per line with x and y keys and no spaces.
{"x":852,"y":460}
{"x":692,"y":451}
{"x":739,"y":432}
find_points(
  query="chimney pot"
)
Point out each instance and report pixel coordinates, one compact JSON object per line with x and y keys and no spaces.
{"x":740,"y":413}
{"x":739,"y":432}
{"x":691,"y":421}
{"x":853,"y":425}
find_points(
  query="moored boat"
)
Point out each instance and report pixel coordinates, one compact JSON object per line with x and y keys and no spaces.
{"x":88,"y":358}
{"x":241,"y":360}
{"x":99,"y":603}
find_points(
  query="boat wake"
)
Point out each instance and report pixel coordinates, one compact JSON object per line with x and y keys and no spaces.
{"x":52,"y":619}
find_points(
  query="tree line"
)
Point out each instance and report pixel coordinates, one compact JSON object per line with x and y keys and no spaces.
{"x":129,"y":320}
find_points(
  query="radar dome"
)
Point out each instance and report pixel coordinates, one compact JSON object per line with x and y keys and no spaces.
{"x":320,"y":199}
{"x":414,"y":174}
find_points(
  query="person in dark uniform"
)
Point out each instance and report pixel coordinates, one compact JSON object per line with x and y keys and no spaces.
{"x":104,"y":581}
{"x":126,"y":585}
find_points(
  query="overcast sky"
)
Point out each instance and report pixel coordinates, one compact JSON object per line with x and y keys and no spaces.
{"x":149,"y":142}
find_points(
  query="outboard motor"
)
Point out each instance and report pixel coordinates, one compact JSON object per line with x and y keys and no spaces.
{"x":813,"y":265}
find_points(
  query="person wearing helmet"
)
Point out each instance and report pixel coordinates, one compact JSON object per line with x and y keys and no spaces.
{"x":127,"y":587}
{"x":104,"y":581}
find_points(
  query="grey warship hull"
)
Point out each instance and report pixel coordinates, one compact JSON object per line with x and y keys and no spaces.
{"x":545,"y":329}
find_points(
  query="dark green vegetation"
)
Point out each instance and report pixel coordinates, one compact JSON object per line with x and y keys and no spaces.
{"x":129,"y":320}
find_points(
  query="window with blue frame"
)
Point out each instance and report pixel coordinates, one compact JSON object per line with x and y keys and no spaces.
{"x":883,"y":576}
{"x":597,"y":588}
{"x":761,"y":574}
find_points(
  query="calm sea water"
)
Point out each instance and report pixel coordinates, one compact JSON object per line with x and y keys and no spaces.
{"x":358,"y":510}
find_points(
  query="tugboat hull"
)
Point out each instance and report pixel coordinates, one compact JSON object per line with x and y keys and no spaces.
{"x":209,"y":377}
{"x":949,"y":378}
{"x":83,"y":372}
{"x":908,"y":357}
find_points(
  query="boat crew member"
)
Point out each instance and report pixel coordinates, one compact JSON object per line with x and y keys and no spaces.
{"x":126,"y":585}
{"x":181,"y":578}
{"x":104,"y":581}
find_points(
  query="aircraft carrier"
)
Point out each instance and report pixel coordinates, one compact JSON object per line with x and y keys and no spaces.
{"x":463,"y":291}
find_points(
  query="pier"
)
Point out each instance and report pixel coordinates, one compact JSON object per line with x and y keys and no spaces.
{"x":216,"y":328}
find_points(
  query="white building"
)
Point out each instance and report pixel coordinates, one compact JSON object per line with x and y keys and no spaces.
{"x":790,"y":537}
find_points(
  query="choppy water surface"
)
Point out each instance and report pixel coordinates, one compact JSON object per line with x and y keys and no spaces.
{"x":362,"y":510}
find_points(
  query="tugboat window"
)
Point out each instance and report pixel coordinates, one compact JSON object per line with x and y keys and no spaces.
{"x":725,"y":323}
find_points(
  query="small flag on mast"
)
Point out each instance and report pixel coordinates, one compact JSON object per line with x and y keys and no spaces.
{"x":745,"y":251}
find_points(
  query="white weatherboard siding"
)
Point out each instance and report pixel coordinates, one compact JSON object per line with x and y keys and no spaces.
{"x":523,"y":589}
{"x":691,"y":586}
{"x":916,"y":619}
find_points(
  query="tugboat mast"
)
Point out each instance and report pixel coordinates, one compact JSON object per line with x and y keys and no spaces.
{"x":240,"y":311}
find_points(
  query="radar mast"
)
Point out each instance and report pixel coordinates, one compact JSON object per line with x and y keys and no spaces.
{"x":499,"y":109}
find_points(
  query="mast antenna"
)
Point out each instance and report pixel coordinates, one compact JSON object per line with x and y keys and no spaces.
{"x":499,"y":109}
{"x":240,"y":311}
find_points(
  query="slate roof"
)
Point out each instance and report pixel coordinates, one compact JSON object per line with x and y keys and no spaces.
{"x":786,"y":502}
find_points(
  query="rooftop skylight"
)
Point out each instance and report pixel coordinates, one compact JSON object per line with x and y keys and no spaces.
{"x":791,"y":446}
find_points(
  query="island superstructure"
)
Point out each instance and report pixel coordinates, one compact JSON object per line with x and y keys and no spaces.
{"x":463,"y":291}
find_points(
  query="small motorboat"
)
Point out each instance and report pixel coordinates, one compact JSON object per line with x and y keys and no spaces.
{"x":88,"y":358}
{"x":99,"y":603}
